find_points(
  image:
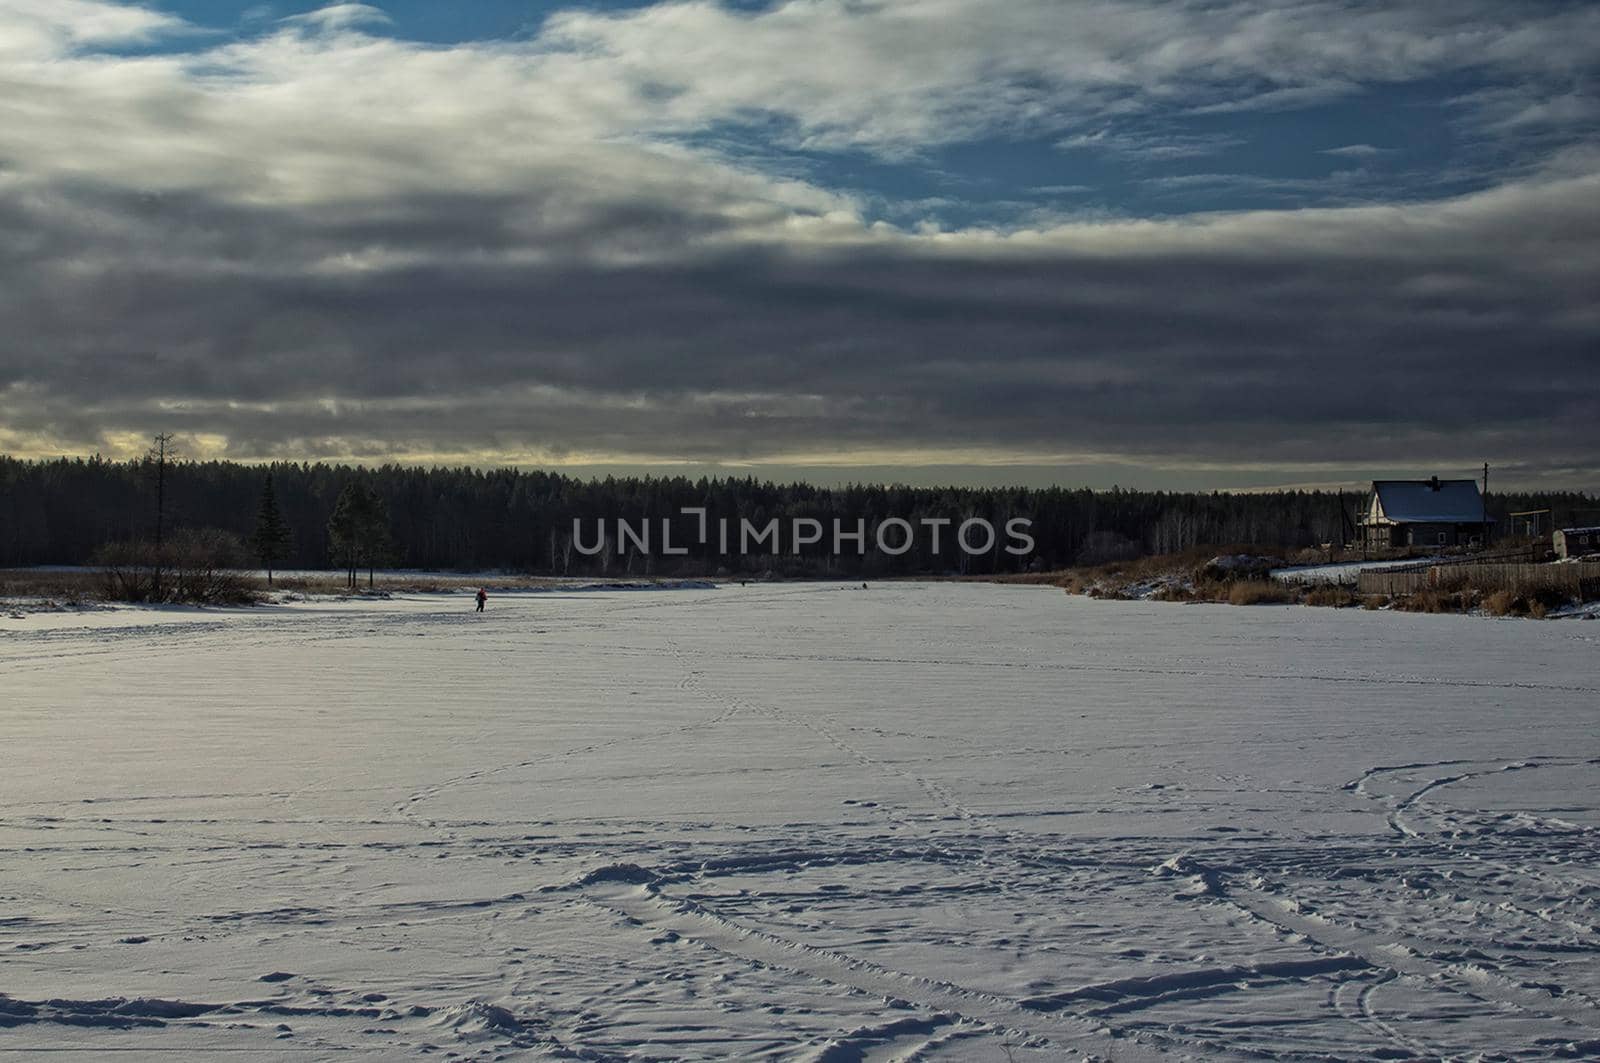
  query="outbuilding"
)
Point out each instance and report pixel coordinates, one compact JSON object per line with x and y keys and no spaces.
{"x":1577,"y":542}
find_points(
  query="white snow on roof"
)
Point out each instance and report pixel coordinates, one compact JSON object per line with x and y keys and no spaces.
{"x":1416,"y":501}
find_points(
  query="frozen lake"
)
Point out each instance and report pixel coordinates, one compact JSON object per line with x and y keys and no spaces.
{"x":938,"y":821}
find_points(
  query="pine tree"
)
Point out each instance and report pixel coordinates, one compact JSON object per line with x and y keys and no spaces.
{"x":377,"y":542}
{"x":358,"y":531}
{"x":271,"y":538}
{"x":344,"y":532}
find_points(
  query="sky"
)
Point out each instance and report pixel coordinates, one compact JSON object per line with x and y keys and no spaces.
{"x":1157,"y":243}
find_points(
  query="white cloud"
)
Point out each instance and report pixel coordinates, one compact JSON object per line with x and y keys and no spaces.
{"x":899,"y":75}
{"x":323,"y":111}
{"x":42,"y":28}
{"x":1150,"y":146}
{"x":335,"y":17}
{"x":1357,"y":151}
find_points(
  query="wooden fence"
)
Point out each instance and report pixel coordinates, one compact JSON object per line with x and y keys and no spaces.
{"x":1580,"y":579}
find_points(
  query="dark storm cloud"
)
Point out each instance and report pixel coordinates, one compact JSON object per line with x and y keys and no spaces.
{"x":1458,"y":326}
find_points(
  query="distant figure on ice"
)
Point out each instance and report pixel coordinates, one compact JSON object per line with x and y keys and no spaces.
{"x":483,"y":596}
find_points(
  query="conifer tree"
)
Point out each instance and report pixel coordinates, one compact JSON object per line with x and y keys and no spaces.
{"x":271,"y":539}
{"x":344,"y":532}
{"x":358,"y":531}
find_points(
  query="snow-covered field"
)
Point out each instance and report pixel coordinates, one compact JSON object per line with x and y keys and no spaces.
{"x":933,"y":822}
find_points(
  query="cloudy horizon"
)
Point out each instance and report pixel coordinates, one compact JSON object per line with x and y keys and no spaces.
{"x":1152,"y":243}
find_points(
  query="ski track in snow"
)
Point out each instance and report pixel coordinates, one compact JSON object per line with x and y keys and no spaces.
{"x":916,"y":822}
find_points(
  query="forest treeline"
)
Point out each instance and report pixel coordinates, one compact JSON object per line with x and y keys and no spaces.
{"x":62,"y":511}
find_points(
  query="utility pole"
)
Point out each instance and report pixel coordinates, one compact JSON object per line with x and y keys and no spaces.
{"x":160,"y":453}
{"x":1487,"y":533}
{"x":1339,"y":529}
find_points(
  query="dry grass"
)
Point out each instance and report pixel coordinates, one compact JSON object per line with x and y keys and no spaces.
{"x":1438,"y":601}
{"x":1331,"y":596}
{"x":1071,"y":582}
{"x":84,"y":586}
{"x":324,"y":583}
{"x":78,"y":587}
{"x":1113,"y":579}
{"x":1503,"y":603}
{"x":1052,"y":578}
{"x":1185,"y":578}
{"x":1210,"y":590}
{"x":1534,"y":602}
{"x":1118,"y":573}
{"x":1460,"y":595}
{"x":1188,"y":562}
{"x":1259,"y":592}
{"x":319,"y":584}
{"x":64,"y":587}
{"x":1180,"y":577}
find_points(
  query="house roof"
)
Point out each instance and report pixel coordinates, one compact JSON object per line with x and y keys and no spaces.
{"x":1430,"y":501}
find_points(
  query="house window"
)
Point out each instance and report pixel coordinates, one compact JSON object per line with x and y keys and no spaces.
{"x":1443,"y":536}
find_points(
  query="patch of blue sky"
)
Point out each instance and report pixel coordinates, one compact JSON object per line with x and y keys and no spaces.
{"x":426,"y":21}
{"x":1233,"y":147}
{"x":1391,"y":144}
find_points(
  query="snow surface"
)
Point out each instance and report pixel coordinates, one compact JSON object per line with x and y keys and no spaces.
{"x":1342,"y":572}
{"x":939,"y":822}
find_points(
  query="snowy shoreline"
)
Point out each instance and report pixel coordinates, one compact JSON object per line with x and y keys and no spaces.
{"x":393,"y":585}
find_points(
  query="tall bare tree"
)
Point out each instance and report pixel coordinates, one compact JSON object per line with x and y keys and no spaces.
{"x":160,"y":452}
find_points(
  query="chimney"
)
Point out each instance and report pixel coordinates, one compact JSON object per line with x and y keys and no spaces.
{"x":1433,"y":483}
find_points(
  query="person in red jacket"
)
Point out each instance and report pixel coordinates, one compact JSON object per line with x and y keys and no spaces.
{"x":483,"y":596}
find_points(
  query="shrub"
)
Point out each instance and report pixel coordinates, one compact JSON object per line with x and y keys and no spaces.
{"x":1072,"y":583}
{"x":1503,"y":603}
{"x":1423,"y":601}
{"x":205,"y":568}
{"x":1544,"y":599}
{"x":1259,"y":592}
{"x":1209,"y":590}
{"x":199,"y":567}
{"x":127,"y":571}
{"x":1331,"y":595}
{"x":1535,"y":602}
{"x":1430,"y":600}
